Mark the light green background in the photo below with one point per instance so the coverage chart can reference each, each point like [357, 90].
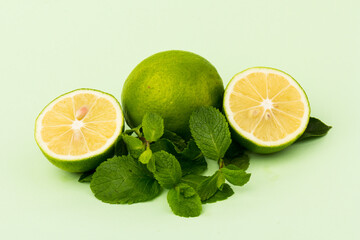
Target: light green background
[309, 191]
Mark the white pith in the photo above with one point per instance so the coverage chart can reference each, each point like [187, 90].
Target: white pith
[267, 104]
[77, 124]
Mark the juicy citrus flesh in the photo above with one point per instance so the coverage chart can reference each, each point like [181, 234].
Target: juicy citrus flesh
[266, 106]
[79, 124]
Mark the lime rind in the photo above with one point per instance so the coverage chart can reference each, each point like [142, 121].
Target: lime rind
[251, 142]
[172, 84]
[89, 160]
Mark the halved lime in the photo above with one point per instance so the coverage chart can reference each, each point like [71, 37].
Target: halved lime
[78, 130]
[266, 108]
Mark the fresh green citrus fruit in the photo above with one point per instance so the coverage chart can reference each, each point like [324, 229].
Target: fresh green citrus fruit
[172, 84]
[266, 108]
[78, 130]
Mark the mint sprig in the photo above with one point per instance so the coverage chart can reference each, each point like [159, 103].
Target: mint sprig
[148, 158]
[157, 158]
[211, 133]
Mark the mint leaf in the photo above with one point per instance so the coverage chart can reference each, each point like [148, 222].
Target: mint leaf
[167, 169]
[193, 180]
[151, 165]
[120, 147]
[178, 141]
[220, 195]
[152, 126]
[315, 128]
[191, 152]
[210, 185]
[123, 180]
[165, 145]
[237, 156]
[184, 201]
[86, 176]
[145, 156]
[235, 175]
[191, 159]
[220, 181]
[193, 167]
[210, 131]
[241, 162]
[235, 150]
[134, 145]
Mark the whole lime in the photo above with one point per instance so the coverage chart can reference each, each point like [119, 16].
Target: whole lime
[172, 84]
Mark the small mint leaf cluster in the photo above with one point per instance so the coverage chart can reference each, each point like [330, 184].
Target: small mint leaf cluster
[211, 133]
[149, 158]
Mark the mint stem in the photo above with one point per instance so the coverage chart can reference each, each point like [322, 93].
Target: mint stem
[137, 131]
[221, 163]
